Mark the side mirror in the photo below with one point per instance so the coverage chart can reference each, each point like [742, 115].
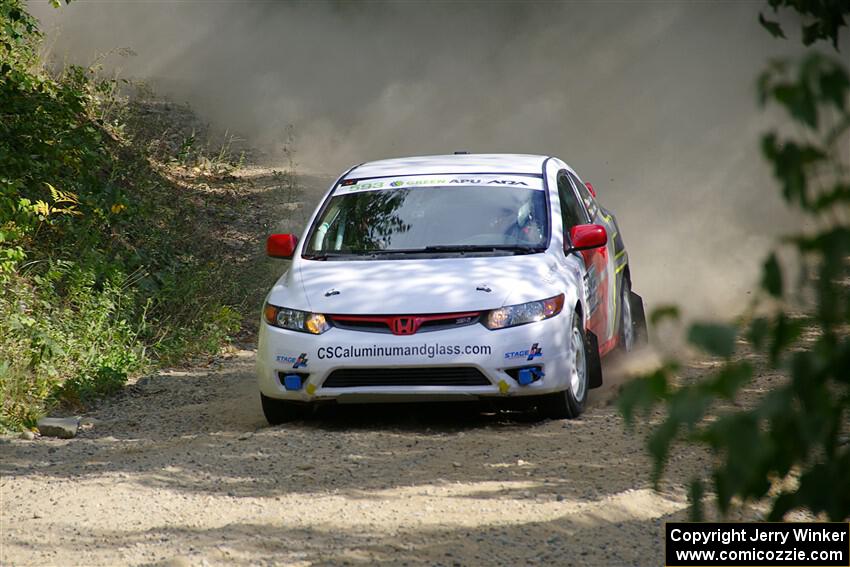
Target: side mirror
[281, 245]
[591, 189]
[587, 237]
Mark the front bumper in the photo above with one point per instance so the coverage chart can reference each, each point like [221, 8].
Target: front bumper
[493, 353]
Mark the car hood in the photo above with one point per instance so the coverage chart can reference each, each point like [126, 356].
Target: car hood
[442, 285]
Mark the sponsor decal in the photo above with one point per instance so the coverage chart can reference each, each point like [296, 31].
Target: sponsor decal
[591, 284]
[529, 353]
[353, 186]
[414, 182]
[511, 182]
[302, 361]
[425, 350]
[299, 361]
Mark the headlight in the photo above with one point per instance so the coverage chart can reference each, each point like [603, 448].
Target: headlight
[530, 312]
[294, 320]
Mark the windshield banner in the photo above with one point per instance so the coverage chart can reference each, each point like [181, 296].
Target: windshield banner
[412, 181]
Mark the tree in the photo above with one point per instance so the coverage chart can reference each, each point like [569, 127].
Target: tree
[790, 448]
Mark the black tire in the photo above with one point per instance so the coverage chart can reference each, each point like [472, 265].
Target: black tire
[569, 403]
[282, 411]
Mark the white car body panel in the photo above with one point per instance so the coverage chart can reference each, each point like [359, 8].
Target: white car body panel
[436, 285]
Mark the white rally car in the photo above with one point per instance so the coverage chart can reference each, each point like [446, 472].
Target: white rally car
[449, 277]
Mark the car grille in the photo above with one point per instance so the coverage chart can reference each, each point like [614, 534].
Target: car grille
[448, 376]
[418, 323]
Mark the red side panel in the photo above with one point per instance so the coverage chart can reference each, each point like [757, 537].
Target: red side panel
[596, 261]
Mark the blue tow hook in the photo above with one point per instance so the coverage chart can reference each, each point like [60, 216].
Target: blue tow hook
[528, 375]
[292, 382]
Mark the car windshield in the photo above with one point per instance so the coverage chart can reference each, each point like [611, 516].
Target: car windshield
[441, 219]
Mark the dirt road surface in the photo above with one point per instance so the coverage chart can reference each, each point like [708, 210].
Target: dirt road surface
[181, 469]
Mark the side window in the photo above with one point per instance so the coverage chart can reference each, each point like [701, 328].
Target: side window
[586, 197]
[572, 213]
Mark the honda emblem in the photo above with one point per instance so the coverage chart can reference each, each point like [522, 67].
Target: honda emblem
[403, 326]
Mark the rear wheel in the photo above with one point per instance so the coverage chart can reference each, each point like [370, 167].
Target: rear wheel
[283, 411]
[569, 404]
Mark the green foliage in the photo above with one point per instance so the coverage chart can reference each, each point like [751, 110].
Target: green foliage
[101, 269]
[825, 18]
[791, 447]
[66, 345]
[715, 339]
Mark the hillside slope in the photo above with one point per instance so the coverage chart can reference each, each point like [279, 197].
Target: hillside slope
[127, 239]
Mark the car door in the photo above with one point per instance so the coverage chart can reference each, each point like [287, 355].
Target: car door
[574, 212]
[604, 323]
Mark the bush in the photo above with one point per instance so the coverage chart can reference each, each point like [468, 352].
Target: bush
[101, 270]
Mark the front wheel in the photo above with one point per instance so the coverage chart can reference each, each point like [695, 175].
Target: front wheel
[569, 404]
[282, 411]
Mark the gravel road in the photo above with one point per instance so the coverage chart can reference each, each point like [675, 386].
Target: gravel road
[181, 469]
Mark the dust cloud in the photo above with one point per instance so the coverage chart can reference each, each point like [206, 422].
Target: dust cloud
[653, 102]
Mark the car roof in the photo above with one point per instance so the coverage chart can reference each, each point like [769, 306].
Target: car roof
[449, 164]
